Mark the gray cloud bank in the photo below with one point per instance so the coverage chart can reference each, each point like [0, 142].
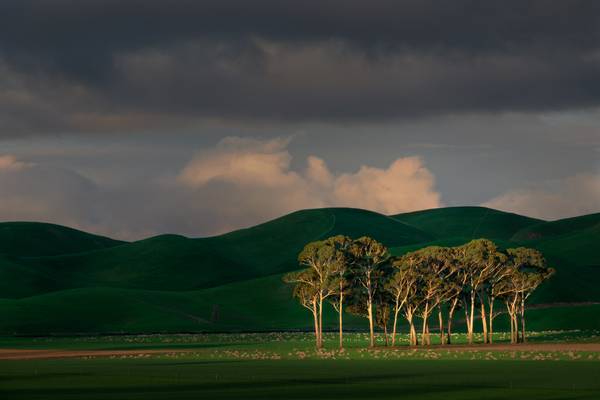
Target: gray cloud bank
[98, 66]
[562, 198]
[242, 182]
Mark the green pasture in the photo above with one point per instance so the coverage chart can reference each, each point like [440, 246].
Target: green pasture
[194, 378]
[280, 342]
[286, 366]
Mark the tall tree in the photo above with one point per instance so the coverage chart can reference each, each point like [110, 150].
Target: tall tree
[411, 309]
[530, 270]
[382, 313]
[339, 273]
[319, 259]
[306, 292]
[508, 290]
[475, 259]
[495, 289]
[433, 269]
[444, 266]
[455, 281]
[493, 266]
[368, 267]
[526, 270]
[402, 286]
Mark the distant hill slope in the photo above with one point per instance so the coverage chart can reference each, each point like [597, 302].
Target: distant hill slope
[263, 304]
[572, 246]
[562, 227]
[171, 262]
[252, 305]
[34, 239]
[171, 283]
[467, 222]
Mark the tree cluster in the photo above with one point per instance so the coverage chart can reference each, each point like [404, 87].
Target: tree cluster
[361, 277]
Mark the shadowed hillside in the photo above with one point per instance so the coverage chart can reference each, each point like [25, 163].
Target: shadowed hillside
[572, 246]
[172, 262]
[467, 222]
[560, 228]
[171, 283]
[32, 239]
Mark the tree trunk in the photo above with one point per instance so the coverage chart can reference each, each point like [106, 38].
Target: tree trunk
[514, 312]
[316, 317]
[511, 315]
[341, 304]
[441, 321]
[371, 328]
[385, 333]
[413, 331]
[471, 318]
[523, 337]
[424, 330]
[512, 329]
[321, 321]
[491, 303]
[467, 319]
[396, 311]
[484, 322]
[450, 316]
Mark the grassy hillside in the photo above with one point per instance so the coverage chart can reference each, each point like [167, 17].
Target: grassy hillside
[172, 262]
[467, 222]
[262, 304]
[32, 239]
[252, 305]
[554, 229]
[571, 246]
[231, 282]
[574, 257]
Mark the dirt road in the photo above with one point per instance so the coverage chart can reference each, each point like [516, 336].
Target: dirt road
[30, 354]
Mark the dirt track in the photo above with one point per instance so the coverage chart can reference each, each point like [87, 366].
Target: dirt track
[23, 354]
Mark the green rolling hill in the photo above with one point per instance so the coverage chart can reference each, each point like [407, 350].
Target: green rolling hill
[467, 222]
[572, 246]
[560, 228]
[33, 239]
[59, 280]
[171, 262]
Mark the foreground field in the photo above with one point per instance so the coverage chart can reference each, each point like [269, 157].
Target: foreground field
[554, 365]
[190, 377]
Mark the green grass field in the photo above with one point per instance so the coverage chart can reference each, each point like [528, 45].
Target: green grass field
[286, 366]
[191, 378]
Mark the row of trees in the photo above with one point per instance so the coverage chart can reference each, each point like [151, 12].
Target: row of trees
[361, 277]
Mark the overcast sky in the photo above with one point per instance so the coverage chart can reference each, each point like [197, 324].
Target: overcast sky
[136, 117]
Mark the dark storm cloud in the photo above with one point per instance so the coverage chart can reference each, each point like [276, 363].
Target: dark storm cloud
[115, 65]
[58, 28]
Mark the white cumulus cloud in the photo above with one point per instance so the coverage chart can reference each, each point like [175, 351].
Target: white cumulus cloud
[259, 171]
[575, 195]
